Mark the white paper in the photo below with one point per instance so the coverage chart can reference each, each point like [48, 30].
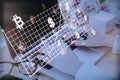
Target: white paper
[100, 39]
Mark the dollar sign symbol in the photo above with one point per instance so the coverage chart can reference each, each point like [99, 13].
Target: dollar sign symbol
[18, 21]
[77, 35]
[85, 17]
[51, 22]
[93, 32]
[67, 6]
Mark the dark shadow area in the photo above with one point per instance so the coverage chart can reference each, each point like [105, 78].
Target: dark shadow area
[25, 9]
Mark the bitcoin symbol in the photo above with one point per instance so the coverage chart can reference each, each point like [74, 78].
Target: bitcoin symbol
[51, 22]
[18, 21]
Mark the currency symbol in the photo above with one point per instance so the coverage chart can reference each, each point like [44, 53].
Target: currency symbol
[54, 11]
[85, 17]
[67, 6]
[93, 31]
[32, 19]
[59, 43]
[21, 46]
[18, 21]
[77, 35]
[51, 22]
[63, 51]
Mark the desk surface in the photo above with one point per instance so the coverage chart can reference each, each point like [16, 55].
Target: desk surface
[110, 62]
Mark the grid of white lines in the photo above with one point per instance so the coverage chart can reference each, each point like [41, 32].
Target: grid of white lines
[32, 34]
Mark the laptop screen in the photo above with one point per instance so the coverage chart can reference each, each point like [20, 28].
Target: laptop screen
[36, 30]
[36, 20]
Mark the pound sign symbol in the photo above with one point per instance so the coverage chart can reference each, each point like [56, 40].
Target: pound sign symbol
[18, 21]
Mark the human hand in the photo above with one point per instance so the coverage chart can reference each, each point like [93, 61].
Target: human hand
[100, 39]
